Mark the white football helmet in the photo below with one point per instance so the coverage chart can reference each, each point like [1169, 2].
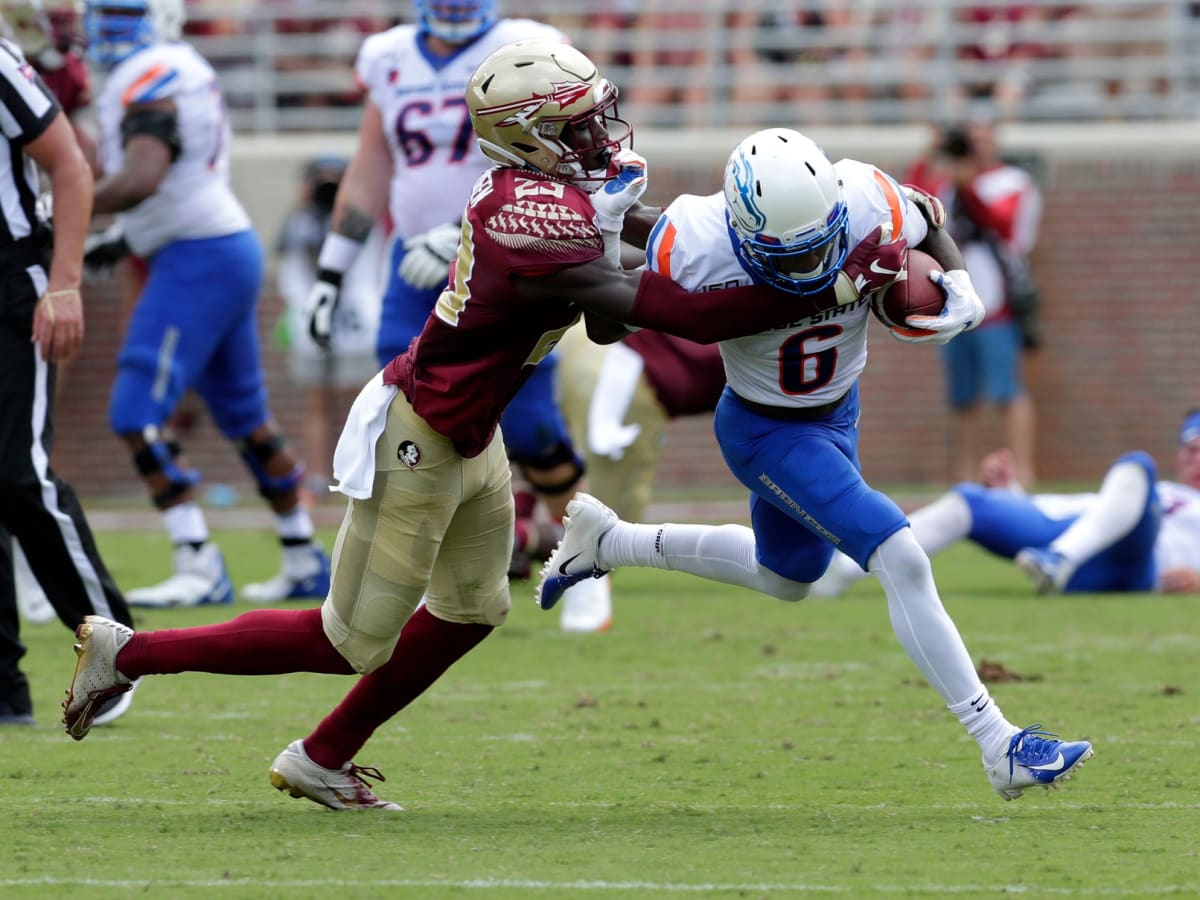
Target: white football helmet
[542, 105]
[786, 214]
[455, 21]
[116, 28]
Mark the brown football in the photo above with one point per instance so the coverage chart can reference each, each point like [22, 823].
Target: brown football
[914, 295]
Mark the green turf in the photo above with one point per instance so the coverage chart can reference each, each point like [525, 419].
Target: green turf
[713, 743]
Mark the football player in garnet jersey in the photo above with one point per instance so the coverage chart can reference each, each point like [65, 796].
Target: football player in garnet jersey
[416, 161]
[421, 457]
[1134, 534]
[787, 422]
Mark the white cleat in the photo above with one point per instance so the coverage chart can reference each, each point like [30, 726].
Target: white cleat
[200, 579]
[305, 576]
[97, 679]
[574, 559]
[344, 788]
[587, 607]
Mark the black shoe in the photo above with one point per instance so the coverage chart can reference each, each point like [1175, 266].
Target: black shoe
[14, 714]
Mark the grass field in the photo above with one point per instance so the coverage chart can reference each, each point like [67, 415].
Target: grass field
[713, 743]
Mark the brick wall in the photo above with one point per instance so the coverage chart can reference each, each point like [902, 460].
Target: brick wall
[1118, 367]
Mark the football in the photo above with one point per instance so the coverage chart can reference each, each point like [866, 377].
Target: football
[913, 295]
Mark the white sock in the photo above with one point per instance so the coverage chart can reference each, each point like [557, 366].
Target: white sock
[294, 525]
[942, 523]
[984, 722]
[722, 553]
[937, 526]
[926, 631]
[1115, 513]
[185, 524]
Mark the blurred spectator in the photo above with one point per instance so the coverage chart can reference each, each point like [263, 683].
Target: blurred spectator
[329, 378]
[675, 63]
[321, 48]
[796, 58]
[1001, 51]
[994, 210]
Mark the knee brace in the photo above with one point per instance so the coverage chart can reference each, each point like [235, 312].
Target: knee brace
[558, 455]
[257, 456]
[158, 457]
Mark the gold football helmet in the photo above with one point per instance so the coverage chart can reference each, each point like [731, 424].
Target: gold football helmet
[542, 105]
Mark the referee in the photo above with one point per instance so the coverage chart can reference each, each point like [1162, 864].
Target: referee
[41, 323]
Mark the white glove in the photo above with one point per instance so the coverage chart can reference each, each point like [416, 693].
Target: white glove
[322, 304]
[620, 192]
[607, 435]
[962, 312]
[429, 254]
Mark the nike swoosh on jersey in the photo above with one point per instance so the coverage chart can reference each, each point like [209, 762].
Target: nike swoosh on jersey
[1050, 767]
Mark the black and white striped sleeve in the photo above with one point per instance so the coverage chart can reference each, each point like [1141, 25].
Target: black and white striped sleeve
[26, 105]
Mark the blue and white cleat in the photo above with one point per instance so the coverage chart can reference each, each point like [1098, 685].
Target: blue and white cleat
[200, 579]
[305, 576]
[1035, 759]
[574, 558]
[1048, 569]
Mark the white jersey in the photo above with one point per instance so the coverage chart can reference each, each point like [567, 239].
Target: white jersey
[194, 199]
[807, 363]
[422, 103]
[1178, 543]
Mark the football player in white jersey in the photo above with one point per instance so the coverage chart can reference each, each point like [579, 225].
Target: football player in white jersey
[1134, 534]
[417, 159]
[164, 149]
[787, 423]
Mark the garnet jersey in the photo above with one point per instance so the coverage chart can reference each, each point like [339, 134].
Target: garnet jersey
[421, 100]
[484, 339]
[194, 199]
[686, 377]
[71, 83]
[817, 359]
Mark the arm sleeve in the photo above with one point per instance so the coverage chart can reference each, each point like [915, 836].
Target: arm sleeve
[710, 316]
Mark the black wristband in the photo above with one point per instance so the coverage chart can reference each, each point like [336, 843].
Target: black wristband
[330, 276]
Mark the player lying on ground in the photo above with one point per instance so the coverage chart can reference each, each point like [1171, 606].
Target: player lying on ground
[1135, 534]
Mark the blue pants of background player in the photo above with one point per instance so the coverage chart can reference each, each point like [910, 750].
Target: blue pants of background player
[808, 494]
[1005, 523]
[532, 425]
[194, 326]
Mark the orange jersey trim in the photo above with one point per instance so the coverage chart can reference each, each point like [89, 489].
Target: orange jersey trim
[894, 202]
[148, 77]
[663, 257]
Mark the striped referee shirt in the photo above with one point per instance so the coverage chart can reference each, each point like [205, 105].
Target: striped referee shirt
[26, 110]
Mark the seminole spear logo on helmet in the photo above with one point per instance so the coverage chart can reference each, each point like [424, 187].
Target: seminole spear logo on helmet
[562, 93]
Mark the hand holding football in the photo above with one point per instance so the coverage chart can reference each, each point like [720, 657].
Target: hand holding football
[913, 294]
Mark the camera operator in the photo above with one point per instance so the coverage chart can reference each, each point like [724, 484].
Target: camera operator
[993, 209]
